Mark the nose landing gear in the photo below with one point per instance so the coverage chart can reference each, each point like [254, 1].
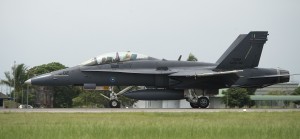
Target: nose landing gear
[114, 104]
[113, 97]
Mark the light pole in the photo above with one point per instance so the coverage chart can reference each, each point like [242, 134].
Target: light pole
[10, 103]
[14, 81]
[227, 100]
[1, 87]
[27, 96]
[22, 96]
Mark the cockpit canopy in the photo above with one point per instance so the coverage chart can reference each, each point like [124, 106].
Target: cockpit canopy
[116, 57]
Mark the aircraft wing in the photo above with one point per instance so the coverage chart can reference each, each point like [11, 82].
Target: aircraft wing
[203, 73]
[180, 73]
[205, 78]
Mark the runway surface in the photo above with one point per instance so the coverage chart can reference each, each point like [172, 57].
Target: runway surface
[108, 110]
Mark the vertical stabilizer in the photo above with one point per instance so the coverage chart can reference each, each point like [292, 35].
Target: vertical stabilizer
[244, 52]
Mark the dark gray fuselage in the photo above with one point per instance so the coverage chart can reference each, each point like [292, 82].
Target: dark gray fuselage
[156, 73]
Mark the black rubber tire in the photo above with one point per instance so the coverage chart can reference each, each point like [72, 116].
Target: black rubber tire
[194, 105]
[114, 104]
[203, 102]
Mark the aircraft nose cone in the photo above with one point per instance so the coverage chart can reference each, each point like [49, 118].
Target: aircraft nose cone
[28, 82]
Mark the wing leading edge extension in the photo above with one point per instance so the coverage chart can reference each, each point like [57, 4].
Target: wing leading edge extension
[133, 71]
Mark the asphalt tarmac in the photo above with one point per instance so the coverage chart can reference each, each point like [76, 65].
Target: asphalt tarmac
[108, 110]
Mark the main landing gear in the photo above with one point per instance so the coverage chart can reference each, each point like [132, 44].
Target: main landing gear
[113, 97]
[202, 102]
[191, 96]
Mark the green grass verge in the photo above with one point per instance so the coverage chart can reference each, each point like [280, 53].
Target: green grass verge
[228, 125]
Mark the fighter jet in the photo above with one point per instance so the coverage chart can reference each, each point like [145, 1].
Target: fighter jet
[172, 79]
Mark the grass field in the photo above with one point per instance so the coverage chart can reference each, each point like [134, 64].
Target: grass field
[228, 125]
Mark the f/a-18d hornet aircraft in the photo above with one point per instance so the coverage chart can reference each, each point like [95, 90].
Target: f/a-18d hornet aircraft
[172, 79]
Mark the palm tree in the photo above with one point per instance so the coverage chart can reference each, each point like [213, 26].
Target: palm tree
[17, 79]
[9, 79]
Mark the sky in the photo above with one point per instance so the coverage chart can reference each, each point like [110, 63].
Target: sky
[36, 32]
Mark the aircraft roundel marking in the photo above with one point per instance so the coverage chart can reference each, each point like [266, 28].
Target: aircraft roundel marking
[112, 79]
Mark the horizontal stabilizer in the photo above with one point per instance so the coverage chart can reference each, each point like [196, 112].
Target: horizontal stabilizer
[281, 77]
[270, 76]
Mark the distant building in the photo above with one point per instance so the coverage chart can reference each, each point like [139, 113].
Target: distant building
[286, 88]
[2, 98]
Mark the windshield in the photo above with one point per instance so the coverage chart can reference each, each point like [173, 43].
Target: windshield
[115, 57]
